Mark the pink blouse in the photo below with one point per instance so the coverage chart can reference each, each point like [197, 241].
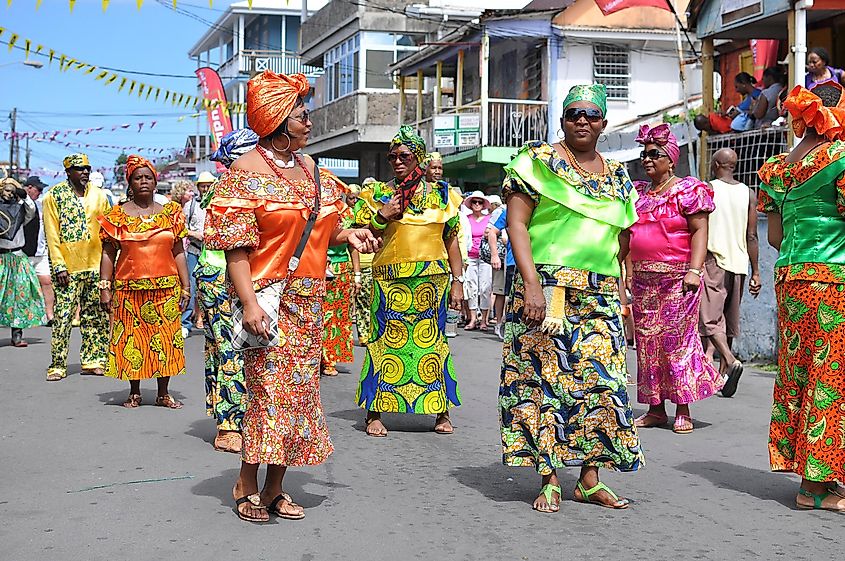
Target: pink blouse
[478, 227]
[661, 232]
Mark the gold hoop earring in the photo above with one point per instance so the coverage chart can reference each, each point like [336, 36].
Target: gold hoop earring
[286, 150]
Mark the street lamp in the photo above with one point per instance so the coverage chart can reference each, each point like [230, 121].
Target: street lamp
[27, 62]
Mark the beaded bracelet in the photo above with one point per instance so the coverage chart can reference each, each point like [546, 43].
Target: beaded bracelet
[376, 224]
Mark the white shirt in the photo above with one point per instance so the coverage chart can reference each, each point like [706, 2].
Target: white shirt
[727, 226]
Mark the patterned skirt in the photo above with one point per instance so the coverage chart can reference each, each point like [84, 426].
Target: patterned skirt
[671, 363]
[337, 316]
[807, 432]
[225, 392]
[363, 301]
[146, 334]
[284, 422]
[408, 367]
[562, 398]
[21, 303]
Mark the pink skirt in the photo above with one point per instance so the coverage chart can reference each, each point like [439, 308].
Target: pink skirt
[671, 363]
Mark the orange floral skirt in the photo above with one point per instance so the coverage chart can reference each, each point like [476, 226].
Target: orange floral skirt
[146, 334]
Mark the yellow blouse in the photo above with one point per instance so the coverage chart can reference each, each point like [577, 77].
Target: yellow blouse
[72, 229]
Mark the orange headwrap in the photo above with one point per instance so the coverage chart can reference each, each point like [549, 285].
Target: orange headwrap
[270, 98]
[808, 111]
[134, 162]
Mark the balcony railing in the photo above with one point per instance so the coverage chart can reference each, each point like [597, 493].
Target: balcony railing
[511, 123]
[753, 148]
[280, 62]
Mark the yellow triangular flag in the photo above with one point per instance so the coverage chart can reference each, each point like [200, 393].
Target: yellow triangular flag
[26, 48]
[158, 91]
[102, 75]
[139, 2]
[91, 69]
[105, 4]
[149, 91]
[131, 87]
[249, 2]
[52, 54]
[72, 4]
[80, 65]
[37, 4]
[38, 49]
[111, 79]
[2, 31]
[12, 40]
[122, 83]
[166, 95]
[61, 62]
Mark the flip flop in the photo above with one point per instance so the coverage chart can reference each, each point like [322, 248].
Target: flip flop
[275, 502]
[547, 491]
[734, 373]
[677, 428]
[587, 493]
[254, 500]
[660, 420]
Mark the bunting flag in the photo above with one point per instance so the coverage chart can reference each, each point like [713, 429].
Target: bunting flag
[105, 4]
[60, 134]
[67, 63]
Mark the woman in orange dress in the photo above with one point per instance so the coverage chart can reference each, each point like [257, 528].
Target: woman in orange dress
[144, 284]
[257, 216]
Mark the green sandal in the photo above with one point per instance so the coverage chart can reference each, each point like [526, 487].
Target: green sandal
[817, 501]
[547, 491]
[587, 493]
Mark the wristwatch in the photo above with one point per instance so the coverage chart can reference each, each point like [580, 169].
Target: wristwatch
[460, 279]
[695, 271]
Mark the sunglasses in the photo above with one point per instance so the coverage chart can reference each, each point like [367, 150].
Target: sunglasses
[303, 117]
[476, 202]
[405, 157]
[80, 168]
[574, 113]
[652, 154]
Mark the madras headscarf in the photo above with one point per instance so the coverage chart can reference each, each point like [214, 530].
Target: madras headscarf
[594, 93]
[134, 162]
[663, 137]
[433, 157]
[409, 137]
[234, 145]
[809, 111]
[76, 161]
[271, 97]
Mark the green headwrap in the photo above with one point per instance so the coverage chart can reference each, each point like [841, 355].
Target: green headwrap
[409, 137]
[594, 93]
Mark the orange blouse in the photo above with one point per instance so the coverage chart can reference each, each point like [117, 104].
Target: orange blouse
[145, 245]
[267, 216]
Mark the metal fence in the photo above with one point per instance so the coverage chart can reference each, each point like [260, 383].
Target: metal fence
[752, 148]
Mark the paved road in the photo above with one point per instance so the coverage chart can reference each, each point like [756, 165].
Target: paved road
[69, 455]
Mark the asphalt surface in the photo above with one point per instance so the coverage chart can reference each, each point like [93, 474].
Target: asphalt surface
[85, 479]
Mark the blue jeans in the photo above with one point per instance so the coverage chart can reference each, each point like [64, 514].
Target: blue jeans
[192, 260]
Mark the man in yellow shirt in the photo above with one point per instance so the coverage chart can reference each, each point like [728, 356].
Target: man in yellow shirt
[71, 209]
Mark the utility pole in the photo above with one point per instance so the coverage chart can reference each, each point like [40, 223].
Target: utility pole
[28, 152]
[13, 117]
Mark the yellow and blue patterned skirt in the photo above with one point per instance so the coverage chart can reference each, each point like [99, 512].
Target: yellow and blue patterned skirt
[408, 367]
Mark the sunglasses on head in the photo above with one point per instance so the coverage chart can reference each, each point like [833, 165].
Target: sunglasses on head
[406, 157]
[574, 113]
[652, 154]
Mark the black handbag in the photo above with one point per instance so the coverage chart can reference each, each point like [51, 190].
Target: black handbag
[484, 249]
[11, 219]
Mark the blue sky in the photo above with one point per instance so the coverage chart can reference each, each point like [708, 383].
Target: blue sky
[154, 39]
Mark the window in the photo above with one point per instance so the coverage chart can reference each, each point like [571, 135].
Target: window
[292, 33]
[341, 64]
[611, 67]
[377, 74]
[381, 49]
[264, 34]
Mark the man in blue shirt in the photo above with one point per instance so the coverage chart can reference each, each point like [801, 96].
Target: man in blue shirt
[502, 272]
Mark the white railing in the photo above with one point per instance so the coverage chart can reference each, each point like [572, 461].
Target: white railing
[511, 123]
[752, 148]
[280, 62]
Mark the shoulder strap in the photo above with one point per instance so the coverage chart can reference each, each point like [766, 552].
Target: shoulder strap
[309, 225]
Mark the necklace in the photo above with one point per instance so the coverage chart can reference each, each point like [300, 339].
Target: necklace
[577, 165]
[278, 161]
[657, 190]
[280, 174]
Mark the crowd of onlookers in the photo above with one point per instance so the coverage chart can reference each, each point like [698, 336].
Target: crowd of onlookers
[762, 100]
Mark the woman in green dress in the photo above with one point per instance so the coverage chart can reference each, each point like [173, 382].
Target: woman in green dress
[408, 367]
[563, 399]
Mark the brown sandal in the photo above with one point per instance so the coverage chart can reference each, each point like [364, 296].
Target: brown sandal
[273, 508]
[440, 420]
[228, 441]
[168, 401]
[133, 401]
[254, 501]
[92, 372]
[370, 420]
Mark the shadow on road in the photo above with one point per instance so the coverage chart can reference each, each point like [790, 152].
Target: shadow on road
[504, 484]
[394, 422]
[204, 429]
[761, 484]
[220, 487]
[147, 397]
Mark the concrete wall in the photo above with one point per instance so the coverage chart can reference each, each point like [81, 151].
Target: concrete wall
[654, 80]
[325, 21]
[586, 13]
[758, 327]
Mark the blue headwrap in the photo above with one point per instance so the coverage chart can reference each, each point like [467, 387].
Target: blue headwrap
[234, 145]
